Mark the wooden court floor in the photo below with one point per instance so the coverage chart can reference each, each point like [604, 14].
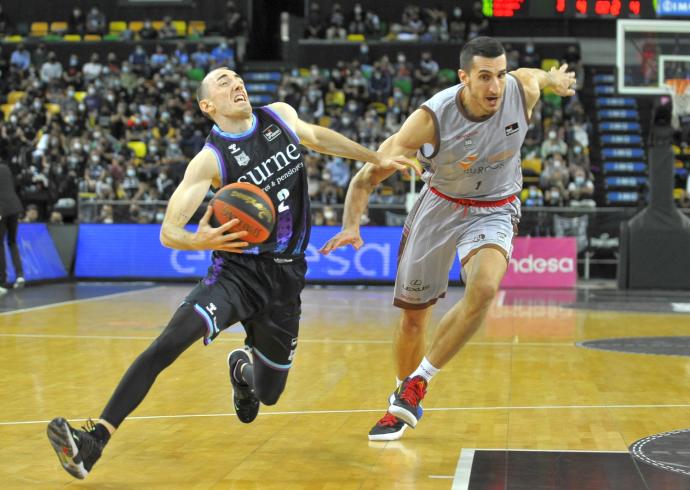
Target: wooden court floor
[522, 383]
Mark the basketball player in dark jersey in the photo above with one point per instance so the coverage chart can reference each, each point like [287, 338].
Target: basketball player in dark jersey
[258, 286]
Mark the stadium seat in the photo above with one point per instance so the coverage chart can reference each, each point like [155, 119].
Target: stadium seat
[196, 27]
[39, 29]
[678, 193]
[79, 96]
[58, 27]
[92, 37]
[356, 38]
[111, 36]
[138, 147]
[72, 37]
[448, 76]
[7, 109]
[157, 24]
[52, 108]
[117, 26]
[532, 166]
[15, 38]
[14, 96]
[135, 25]
[196, 74]
[181, 27]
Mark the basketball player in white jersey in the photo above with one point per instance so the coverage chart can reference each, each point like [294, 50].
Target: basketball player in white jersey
[468, 138]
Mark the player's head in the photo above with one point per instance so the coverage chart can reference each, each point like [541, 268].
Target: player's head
[222, 93]
[483, 71]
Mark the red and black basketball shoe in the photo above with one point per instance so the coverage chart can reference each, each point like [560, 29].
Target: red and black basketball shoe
[407, 400]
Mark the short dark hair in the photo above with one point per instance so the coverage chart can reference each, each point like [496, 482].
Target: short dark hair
[484, 46]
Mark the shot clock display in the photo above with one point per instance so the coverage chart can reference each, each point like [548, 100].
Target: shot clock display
[576, 9]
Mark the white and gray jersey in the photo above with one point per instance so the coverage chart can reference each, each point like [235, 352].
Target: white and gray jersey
[476, 158]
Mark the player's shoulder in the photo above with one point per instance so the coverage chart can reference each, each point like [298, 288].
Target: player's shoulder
[284, 110]
[443, 98]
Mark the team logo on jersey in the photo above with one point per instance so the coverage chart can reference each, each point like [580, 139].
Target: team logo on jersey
[512, 128]
[468, 144]
[272, 132]
[468, 161]
[242, 159]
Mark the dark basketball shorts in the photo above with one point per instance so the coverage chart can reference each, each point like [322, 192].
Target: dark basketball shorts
[261, 293]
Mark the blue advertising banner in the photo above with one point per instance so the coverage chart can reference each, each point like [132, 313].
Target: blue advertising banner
[134, 251]
[673, 8]
[40, 259]
[130, 251]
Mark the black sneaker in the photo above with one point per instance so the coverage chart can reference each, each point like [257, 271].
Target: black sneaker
[407, 400]
[77, 450]
[388, 428]
[245, 401]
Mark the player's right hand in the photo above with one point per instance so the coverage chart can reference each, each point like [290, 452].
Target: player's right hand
[221, 238]
[348, 236]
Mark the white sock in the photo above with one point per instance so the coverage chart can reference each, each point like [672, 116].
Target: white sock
[426, 370]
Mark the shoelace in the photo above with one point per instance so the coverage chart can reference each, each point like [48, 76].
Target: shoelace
[388, 420]
[414, 391]
[89, 427]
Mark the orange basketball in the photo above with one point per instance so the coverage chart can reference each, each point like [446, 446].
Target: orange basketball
[249, 204]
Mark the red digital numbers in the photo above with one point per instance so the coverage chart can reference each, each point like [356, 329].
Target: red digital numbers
[613, 8]
[506, 8]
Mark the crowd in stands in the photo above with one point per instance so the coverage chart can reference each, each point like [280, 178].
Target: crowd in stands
[415, 23]
[124, 129]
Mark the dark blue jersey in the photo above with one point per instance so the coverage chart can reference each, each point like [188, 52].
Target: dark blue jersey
[268, 155]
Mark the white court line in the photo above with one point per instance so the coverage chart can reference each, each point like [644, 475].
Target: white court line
[226, 338]
[461, 480]
[463, 470]
[370, 410]
[73, 301]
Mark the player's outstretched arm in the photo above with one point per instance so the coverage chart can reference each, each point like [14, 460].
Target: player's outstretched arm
[535, 80]
[327, 141]
[417, 130]
[201, 172]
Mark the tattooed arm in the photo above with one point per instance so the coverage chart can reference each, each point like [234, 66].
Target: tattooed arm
[201, 172]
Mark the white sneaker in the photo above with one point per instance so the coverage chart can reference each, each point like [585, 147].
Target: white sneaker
[19, 283]
[3, 291]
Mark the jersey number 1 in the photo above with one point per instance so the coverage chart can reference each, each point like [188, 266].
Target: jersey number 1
[478, 184]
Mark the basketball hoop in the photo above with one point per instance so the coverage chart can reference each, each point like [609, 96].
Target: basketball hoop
[680, 93]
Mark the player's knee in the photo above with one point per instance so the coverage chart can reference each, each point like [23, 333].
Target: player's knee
[482, 293]
[412, 326]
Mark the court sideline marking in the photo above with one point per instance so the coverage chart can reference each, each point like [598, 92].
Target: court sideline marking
[72, 301]
[367, 410]
[240, 338]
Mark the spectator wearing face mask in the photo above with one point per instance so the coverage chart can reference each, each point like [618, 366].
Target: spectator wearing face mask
[93, 68]
[96, 22]
[555, 197]
[581, 190]
[532, 197]
[530, 58]
[147, 31]
[553, 144]
[223, 55]
[555, 173]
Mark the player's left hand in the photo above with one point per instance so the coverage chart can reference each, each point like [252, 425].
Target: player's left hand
[399, 162]
[562, 81]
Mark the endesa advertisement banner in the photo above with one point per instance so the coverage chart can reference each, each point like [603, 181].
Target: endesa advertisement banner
[133, 251]
[40, 259]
